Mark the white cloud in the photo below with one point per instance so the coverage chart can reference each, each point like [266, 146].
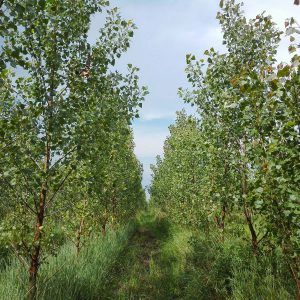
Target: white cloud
[149, 144]
[168, 30]
[156, 116]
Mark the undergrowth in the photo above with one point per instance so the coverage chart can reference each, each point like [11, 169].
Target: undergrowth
[228, 270]
[155, 259]
[67, 277]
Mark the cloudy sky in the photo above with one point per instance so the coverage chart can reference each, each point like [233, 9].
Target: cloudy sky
[167, 31]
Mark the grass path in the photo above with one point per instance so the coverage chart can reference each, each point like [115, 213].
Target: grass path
[151, 267]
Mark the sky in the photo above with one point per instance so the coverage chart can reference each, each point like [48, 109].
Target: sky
[167, 31]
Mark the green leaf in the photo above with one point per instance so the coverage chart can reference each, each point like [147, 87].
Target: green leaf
[232, 105]
[284, 72]
[292, 49]
[20, 8]
[259, 190]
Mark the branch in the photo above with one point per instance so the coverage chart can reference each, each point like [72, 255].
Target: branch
[20, 258]
[18, 196]
[8, 145]
[59, 187]
[61, 92]
[64, 156]
[26, 182]
[28, 152]
[33, 160]
[39, 65]
[58, 210]
[262, 237]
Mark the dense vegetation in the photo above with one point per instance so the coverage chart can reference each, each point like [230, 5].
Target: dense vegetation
[223, 217]
[67, 167]
[234, 172]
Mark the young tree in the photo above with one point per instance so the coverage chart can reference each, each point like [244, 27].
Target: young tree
[252, 105]
[176, 182]
[218, 93]
[50, 75]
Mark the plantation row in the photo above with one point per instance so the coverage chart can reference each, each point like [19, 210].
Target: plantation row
[233, 173]
[67, 166]
[226, 217]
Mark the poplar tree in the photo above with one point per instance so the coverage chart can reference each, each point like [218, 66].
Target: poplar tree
[50, 78]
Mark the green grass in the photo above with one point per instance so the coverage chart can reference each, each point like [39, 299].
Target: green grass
[154, 259]
[66, 276]
[152, 266]
[228, 270]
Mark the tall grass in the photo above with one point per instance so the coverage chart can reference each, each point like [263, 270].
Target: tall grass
[154, 264]
[163, 261]
[67, 276]
[228, 270]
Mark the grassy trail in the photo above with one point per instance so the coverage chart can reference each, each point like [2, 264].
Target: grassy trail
[151, 266]
[153, 260]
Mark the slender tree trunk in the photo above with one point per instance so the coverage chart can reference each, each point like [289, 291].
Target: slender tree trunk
[254, 240]
[35, 255]
[78, 242]
[114, 206]
[294, 268]
[296, 278]
[103, 229]
[220, 221]
[78, 236]
[248, 216]
[223, 215]
[244, 192]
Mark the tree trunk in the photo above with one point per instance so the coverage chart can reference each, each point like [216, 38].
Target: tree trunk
[114, 207]
[223, 214]
[78, 243]
[244, 192]
[220, 221]
[252, 230]
[296, 278]
[35, 254]
[78, 236]
[103, 229]
[36, 245]
[248, 216]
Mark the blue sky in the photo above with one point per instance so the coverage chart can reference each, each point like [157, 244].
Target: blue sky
[167, 31]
